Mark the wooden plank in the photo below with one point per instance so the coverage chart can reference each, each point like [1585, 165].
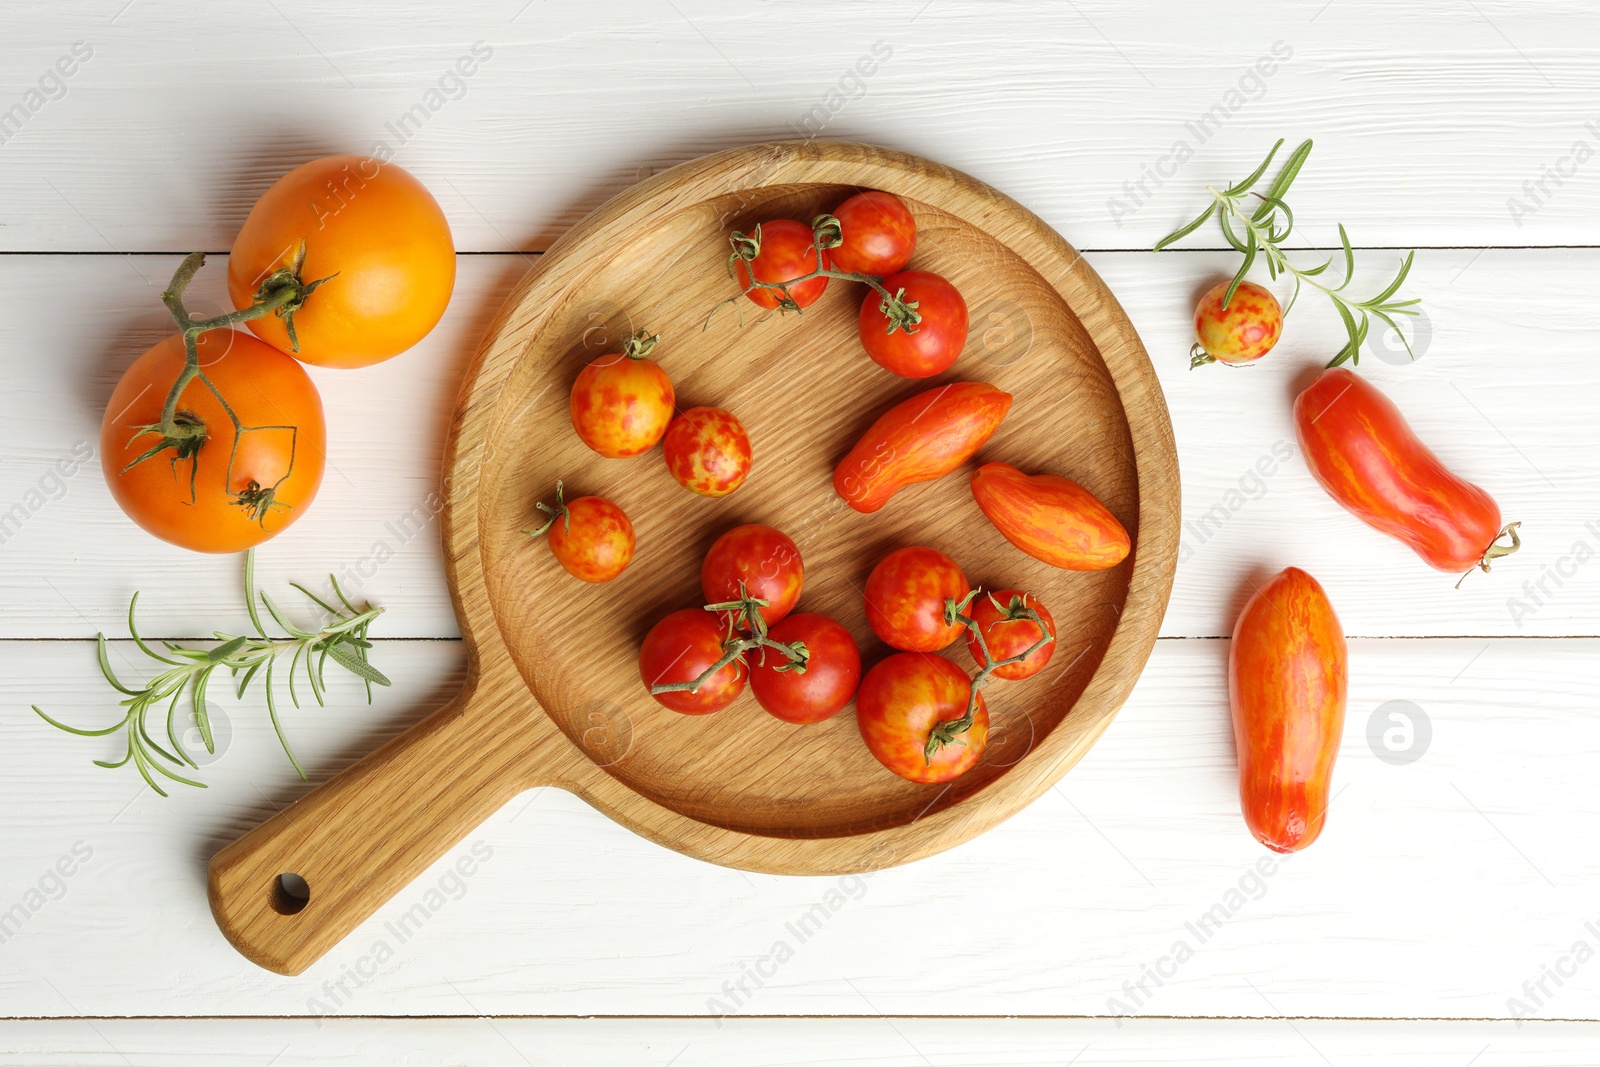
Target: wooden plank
[1426, 141]
[1445, 887]
[1497, 391]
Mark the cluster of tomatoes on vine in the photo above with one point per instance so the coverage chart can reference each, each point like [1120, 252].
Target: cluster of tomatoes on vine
[921, 715]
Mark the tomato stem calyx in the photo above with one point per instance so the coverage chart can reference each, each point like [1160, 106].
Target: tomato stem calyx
[640, 344]
[826, 233]
[1495, 550]
[949, 731]
[560, 511]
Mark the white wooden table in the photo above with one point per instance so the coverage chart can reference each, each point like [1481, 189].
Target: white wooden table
[1448, 916]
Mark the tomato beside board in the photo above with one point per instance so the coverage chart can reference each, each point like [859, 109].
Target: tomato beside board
[1287, 686]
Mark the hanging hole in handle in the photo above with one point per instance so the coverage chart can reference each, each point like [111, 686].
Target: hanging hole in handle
[290, 894]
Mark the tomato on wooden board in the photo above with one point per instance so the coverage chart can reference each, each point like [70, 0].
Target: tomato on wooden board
[681, 647]
[1007, 635]
[590, 537]
[765, 559]
[198, 502]
[928, 347]
[824, 687]
[1287, 686]
[707, 451]
[919, 439]
[374, 233]
[786, 249]
[877, 234]
[622, 403]
[900, 702]
[906, 594]
[1242, 332]
[1051, 518]
[1361, 450]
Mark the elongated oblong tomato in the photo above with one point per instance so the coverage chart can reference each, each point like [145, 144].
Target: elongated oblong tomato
[1050, 518]
[918, 440]
[1287, 685]
[1359, 447]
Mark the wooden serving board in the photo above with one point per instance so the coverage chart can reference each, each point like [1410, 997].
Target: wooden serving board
[553, 696]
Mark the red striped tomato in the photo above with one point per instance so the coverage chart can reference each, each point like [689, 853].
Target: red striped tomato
[1050, 518]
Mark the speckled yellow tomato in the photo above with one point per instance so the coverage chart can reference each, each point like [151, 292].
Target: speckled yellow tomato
[1242, 332]
[707, 451]
[899, 704]
[622, 403]
[377, 240]
[590, 537]
[906, 594]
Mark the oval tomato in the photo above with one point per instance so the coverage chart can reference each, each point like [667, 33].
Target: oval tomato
[217, 500]
[1051, 518]
[877, 235]
[375, 238]
[902, 700]
[590, 537]
[764, 559]
[919, 439]
[906, 594]
[1243, 331]
[786, 249]
[925, 348]
[1361, 450]
[680, 648]
[1287, 685]
[826, 684]
[707, 451]
[622, 403]
[1007, 635]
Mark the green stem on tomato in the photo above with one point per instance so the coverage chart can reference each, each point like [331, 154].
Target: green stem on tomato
[948, 731]
[748, 608]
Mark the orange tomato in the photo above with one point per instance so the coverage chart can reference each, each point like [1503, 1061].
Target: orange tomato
[906, 594]
[1287, 685]
[198, 503]
[622, 403]
[919, 439]
[1007, 636]
[590, 537]
[1242, 332]
[374, 233]
[766, 561]
[899, 703]
[1051, 518]
[707, 451]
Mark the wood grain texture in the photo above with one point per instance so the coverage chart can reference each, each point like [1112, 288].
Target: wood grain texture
[723, 789]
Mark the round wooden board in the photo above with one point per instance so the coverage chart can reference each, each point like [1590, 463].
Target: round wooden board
[739, 787]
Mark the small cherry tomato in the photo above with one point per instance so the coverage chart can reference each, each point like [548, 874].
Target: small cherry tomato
[1243, 331]
[1008, 634]
[906, 594]
[877, 235]
[824, 687]
[1051, 518]
[1360, 449]
[900, 703]
[590, 537]
[680, 648]
[707, 451]
[622, 403]
[784, 249]
[764, 559]
[1287, 685]
[922, 348]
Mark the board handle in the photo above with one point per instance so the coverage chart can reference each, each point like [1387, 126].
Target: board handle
[292, 888]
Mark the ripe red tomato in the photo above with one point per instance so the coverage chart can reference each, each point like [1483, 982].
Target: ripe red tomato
[1359, 447]
[1244, 331]
[828, 683]
[906, 595]
[622, 403]
[764, 559]
[926, 348]
[219, 499]
[1007, 636]
[1051, 518]
[877, 235]
[899, 703]
[786, 249]
[590, 537]
[707, 451]
[1287, 685]
[680, 648]
[919, 439]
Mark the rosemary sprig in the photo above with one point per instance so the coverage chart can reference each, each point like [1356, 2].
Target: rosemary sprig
[1268, 225]
[343, 639]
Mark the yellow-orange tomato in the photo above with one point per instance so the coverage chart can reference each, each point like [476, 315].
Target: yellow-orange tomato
[1050, 518]
[622, 403]
[590, 537]
[1287, 684]
[374, 233]
[197, 503]
[707, 451]
[900, 703]
[906, 596]
[1243, 331]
